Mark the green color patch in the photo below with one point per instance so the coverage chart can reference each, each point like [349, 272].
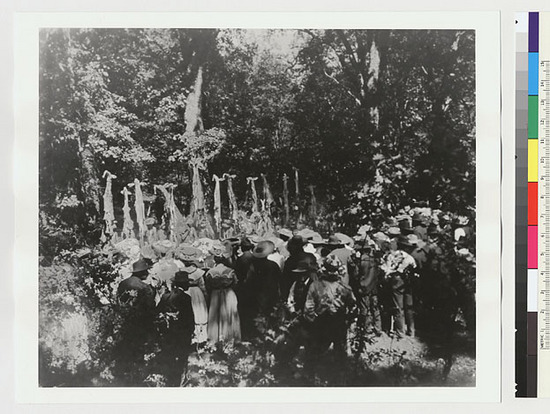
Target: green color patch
[533, 123]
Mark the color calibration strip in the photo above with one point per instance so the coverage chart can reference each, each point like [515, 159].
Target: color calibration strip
[533, 205]
[522, 201]
[542, 27]
[526, 205]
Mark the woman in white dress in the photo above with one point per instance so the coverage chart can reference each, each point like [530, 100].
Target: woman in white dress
[191, 257]
[223, 317]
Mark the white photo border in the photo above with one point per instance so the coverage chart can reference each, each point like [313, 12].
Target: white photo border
[488, 241]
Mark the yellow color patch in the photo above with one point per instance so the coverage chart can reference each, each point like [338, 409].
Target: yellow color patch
[533, 160]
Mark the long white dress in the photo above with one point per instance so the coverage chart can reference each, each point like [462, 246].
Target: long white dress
[198, 302]
[223, 317]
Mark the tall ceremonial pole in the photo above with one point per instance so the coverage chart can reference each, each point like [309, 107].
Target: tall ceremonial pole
[140, 209]
[268, 197]
[128, 225]
[251, 181]
[217, 204]
[285, 198]
[297, 192]
[231, 195]
[296, 184]
[108, 208]
[313, 203]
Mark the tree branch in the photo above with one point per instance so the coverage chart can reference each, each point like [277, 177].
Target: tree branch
[350, 93]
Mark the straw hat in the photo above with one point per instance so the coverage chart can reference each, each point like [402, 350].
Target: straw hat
[394, 231]
[413, 239]
[219, 249]
[163, 246]
[310, 235]
[379, 236]
[332, 268]
[285, 233]
[188, 253]
[345, 239]
[254, 238]
[277, 242]
[148, 252]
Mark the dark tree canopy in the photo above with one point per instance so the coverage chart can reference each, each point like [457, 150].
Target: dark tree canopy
[372, 118]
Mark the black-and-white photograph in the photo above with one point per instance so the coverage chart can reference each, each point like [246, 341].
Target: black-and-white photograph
[257, 207]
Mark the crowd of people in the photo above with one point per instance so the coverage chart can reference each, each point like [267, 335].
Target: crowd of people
[219, 290]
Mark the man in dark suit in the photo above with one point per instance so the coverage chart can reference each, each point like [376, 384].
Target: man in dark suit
[176, 344]
[134, 292]
[137, 307]
[298, 257]
[259, 292]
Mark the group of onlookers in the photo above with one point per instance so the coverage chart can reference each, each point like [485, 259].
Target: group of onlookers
[215, 290]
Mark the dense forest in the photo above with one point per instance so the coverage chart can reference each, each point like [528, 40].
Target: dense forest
[367, 118]
[337, 129]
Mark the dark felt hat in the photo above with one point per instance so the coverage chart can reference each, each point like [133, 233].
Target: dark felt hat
[296, 240]
[433, 230]
[141, 265]
[246, 244]
[263, 249]
[181, 279]
[304, 266]
[332, 241]
[405, 226]
[404, 241]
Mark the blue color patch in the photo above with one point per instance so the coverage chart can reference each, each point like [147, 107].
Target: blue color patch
[533, 73]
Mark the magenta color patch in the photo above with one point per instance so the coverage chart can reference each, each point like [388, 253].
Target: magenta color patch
[532, 247]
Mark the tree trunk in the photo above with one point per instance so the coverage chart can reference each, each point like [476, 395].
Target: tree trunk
[193, 120]
[90, 182]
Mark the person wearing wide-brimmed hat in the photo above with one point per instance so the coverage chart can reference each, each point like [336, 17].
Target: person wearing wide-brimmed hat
[295, 247]
[399, 268]
[133, 291]
[176, 340]
[419, 250]
[276, 256]
[259, 292]
[420, 226]
[244, 259]
[438, 296]
[137, 305]
[327, 306]
[192, 258]
[364, 282]
[305, 274]
[223, 316]
[337, 246]
[151, 232]
[166, 267]
[404, 224]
